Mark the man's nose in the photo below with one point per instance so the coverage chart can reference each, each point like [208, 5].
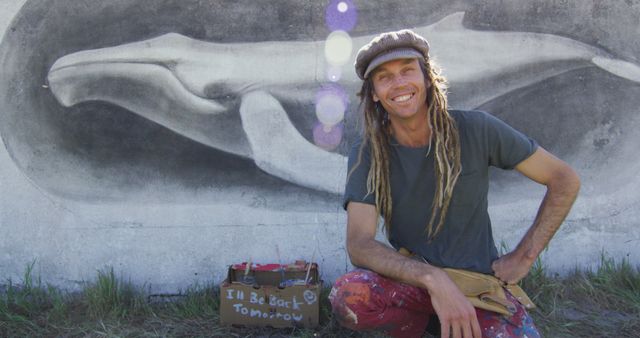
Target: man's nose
[399, 80]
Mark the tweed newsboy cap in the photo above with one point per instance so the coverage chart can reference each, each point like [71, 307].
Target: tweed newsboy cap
[402, 44]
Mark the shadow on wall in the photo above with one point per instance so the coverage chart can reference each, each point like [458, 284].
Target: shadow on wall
[138, 102]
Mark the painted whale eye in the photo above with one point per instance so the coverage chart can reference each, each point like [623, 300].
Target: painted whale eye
[221, 93]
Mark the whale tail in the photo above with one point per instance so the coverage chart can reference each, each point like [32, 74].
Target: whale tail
[623, 69]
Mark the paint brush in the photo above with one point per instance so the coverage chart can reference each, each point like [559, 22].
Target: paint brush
[306, 277]
[246, 279]
[280, 263]
[247, 268]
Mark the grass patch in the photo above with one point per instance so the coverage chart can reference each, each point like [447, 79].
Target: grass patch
[112, 297]
[600, 302]
[27, 307]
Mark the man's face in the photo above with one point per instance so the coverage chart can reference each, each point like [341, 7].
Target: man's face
[400, 87]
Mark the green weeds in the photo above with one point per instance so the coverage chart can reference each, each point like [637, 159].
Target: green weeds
[599, 302]
[197, 302]
[111, 297]
[26, 306]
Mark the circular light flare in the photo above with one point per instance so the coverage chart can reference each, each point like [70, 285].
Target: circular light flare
[330, 110]
[331, 103]
[328, 138]
[342, 7]
[334, 73]
[338, 48]
[341, 15]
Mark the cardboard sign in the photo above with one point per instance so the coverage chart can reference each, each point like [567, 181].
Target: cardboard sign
[271, 295]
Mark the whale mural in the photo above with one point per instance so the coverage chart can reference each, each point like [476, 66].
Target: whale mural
[179, 69]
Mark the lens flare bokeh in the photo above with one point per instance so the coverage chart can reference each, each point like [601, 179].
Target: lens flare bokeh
[337, 48]
[331, 100]
[334, 73]
[328, 138]
[341, 15]
[331, 103]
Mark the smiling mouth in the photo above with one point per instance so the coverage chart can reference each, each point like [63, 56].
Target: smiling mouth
[403, 98]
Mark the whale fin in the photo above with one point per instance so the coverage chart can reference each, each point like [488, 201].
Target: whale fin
[280, 150]
[623, 69]
[452, 22]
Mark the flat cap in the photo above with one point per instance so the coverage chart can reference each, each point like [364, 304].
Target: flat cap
[402, 44]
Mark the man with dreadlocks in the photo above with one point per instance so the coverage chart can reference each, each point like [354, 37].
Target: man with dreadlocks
[424, 168]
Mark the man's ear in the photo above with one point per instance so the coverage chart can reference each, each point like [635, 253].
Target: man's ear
[374, 96]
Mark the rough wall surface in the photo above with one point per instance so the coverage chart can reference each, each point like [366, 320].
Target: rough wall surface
[169, 139]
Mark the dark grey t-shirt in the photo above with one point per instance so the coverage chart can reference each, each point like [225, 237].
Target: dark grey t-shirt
[466, 240]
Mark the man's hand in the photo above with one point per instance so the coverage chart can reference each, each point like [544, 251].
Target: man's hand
[562, 185]
[511, 268]
[457, 316]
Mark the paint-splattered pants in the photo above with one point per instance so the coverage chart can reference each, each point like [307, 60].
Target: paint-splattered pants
[363, 300]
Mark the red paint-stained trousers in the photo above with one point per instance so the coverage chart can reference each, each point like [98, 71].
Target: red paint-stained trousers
[363, 300]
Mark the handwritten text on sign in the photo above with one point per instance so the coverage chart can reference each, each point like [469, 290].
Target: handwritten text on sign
[309, 297]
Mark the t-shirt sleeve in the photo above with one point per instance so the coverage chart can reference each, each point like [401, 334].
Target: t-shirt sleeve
[356, 186]
[507, 147]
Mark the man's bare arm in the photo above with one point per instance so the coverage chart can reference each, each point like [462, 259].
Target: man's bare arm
[563, 185]
[457, 315]
[365, 251]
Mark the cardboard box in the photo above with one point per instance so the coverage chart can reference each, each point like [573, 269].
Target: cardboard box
[271, 295]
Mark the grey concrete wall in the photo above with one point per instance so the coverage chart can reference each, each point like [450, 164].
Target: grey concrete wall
[168, 139]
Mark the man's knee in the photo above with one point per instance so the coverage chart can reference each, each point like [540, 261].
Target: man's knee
[353, 300]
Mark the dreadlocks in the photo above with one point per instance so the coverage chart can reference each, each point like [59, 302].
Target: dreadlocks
[445, 142]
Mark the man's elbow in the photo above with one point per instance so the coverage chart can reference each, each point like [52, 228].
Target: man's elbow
[353, 256]
[356, 252]
[355, 261]
[566, 181]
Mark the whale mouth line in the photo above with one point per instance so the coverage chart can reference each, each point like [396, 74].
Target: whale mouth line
[78, 73]
[86, 63]
[169, 68]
